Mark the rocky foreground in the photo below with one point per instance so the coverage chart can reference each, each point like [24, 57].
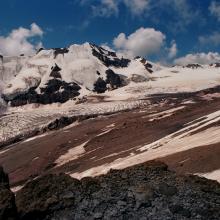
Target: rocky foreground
[146, 191]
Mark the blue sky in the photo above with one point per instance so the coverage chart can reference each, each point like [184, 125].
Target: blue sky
[187, 26]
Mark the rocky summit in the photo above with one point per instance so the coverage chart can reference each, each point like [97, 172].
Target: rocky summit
[145, 191]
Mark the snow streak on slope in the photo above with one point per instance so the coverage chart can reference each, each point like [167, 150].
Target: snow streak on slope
[72, 154]
[214, 175]
[200, 132]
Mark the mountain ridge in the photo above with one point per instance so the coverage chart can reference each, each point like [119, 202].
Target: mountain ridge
[87, 65]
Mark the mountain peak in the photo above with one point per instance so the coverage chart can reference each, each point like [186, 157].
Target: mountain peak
[87, 66]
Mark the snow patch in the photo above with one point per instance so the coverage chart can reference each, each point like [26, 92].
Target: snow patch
[214, 175]
[71, 154]
[163, 114]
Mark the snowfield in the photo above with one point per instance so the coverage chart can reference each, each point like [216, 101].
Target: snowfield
[170, 80]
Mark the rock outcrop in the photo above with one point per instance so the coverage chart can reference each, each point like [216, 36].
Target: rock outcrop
[55, 90]
[113, 81]
[8, 209]
[109, 58]
[147, 191]
[193, 66]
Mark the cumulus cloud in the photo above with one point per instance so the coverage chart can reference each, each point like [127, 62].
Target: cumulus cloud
[172, 51]
[213, 39]
[200, 58]
[214, 9]
[143, 42]
[18, 41]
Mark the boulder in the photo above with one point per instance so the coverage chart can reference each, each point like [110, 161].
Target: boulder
[8, 209]
[47, 194]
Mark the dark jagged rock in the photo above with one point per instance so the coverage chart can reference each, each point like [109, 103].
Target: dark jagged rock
[100, 86]
[113, 79]
[137, 57]
[215, 65]
[58, 51]
[56, 72]
[147, 65]
[22, 99]
[193, 66]
[40, 50]
[8, 209]
[4, 181]
[104, 51]
[55, 90]
[60, 123]
[146, 191]
[103, 56]
[46, 195]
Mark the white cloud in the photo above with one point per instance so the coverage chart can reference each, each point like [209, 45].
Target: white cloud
[200, 58]
[107, 47]
[179, 14]
[214, 9]
[182, 8]
[143, 42]
[213, 39]
[137, 7]
[173, 50]
[107, 8]
[18, 41]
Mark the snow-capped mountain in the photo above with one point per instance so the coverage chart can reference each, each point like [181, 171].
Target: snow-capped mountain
[60, 74]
